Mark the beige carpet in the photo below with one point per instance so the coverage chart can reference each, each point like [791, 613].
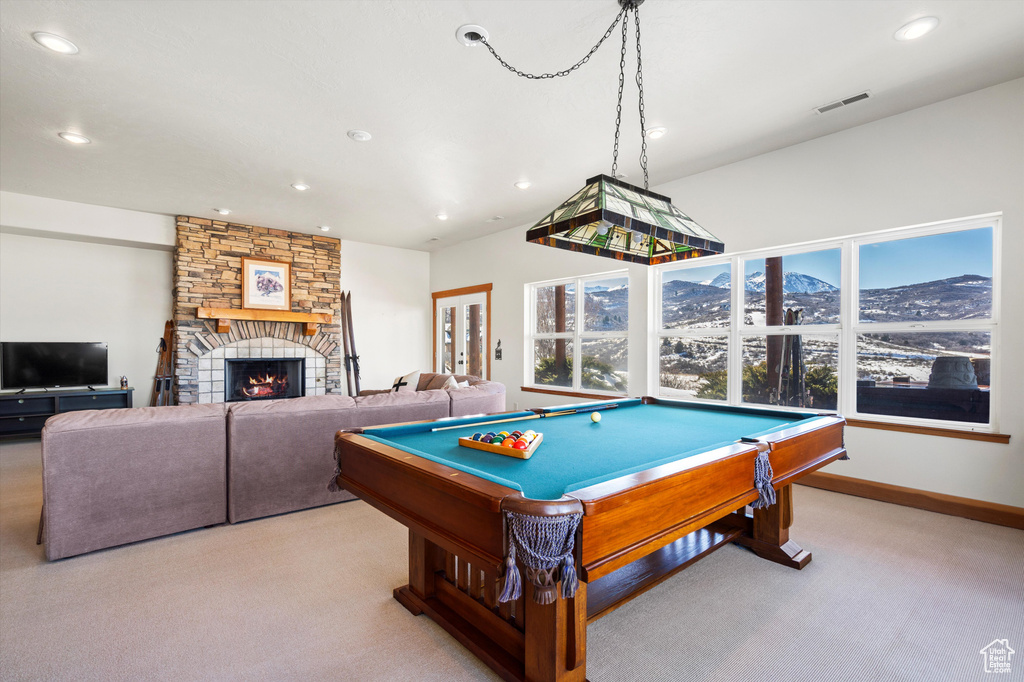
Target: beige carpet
[892, 594]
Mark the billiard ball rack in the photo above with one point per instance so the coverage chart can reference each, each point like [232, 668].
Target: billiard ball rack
[502, 450]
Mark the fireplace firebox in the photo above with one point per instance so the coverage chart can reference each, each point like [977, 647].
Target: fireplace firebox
[264, 378]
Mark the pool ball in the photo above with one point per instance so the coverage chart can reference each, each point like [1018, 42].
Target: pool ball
[477, 436]
[508, 442]
[520, 445]
[496, 440]
[595, 417]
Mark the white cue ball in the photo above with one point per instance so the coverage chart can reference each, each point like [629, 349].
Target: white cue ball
[595, 417]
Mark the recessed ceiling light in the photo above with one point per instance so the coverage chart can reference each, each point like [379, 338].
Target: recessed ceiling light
[74, 138]
[917, 28]
[302, 187]
[55, 43]
[359, 135]
[495, 219]
[325, 228]
[222, 211]
[442, 216]
[656, 133]
[523, 184]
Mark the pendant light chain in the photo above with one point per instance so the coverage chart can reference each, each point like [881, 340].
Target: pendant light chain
[627, 7]
[640, 86]
[618, 106]
[565, 72]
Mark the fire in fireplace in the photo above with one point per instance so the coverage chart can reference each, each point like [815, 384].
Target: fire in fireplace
[264, 378]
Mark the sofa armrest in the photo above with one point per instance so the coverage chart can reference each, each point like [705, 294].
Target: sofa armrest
[111, 477]
[482, 397]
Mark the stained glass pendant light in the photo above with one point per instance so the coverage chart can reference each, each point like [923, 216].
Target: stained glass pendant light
[612, 218]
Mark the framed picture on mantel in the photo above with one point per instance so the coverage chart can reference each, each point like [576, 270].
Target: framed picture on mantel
[266, 284]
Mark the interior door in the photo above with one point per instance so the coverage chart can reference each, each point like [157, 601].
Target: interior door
[461, 335]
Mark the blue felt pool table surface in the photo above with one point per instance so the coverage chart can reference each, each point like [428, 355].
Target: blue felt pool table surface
[577, 452]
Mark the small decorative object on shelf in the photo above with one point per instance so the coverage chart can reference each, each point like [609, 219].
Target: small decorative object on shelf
[124, 381]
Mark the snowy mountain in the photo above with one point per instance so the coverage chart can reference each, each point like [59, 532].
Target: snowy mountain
[792, 283]
[720, 281]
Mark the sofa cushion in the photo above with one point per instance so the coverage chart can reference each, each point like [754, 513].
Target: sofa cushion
[432, 382]
[282, 454]
[112, 477]
[394, 408]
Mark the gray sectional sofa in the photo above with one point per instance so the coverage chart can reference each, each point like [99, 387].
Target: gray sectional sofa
[113, 477]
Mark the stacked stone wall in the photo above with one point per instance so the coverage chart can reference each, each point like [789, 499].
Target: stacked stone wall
[208, 273]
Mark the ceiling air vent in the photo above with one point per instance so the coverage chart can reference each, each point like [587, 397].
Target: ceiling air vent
[825, 108]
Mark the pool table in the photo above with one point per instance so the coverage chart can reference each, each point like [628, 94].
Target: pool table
[630, 500]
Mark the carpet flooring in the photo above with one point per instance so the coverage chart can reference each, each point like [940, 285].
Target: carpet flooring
[892, 594]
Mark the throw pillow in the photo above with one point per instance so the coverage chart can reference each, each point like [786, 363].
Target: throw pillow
[450, 384]
[436, 382]
[407, 383]
[463, 384]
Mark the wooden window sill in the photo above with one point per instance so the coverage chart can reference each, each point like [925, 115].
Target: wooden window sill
[573, 394]
[986, 436]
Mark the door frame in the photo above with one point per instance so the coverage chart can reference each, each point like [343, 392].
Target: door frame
[448, 293]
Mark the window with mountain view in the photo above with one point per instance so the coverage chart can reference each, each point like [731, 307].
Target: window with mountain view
[781, 293]
[924, 326]
[581, 342]
[910, 341]
[693, 345]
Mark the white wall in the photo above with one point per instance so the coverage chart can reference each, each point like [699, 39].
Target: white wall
[60, 290]
[40, 216]
[956, 158]
[391, 314]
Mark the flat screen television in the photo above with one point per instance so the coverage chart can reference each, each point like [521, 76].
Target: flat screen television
[52, 365]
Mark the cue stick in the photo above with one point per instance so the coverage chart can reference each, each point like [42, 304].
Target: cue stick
[580, 410]
[495, 421]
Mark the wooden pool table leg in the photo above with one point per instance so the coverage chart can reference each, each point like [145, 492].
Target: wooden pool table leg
[425, 560]
[556, 637]
[769, 537]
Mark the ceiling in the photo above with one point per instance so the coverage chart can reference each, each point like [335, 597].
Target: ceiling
[197, 105]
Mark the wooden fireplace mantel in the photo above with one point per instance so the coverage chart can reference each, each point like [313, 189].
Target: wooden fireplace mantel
[309, 321]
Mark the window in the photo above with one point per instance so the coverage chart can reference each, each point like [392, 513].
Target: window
[892, 326]
[924, 325]
[579, 334]
[693, 340]
[781, 292]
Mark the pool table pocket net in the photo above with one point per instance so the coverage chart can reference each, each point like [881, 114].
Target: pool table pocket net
[544, 544]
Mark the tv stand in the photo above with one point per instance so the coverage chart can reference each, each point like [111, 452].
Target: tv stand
[22, 415]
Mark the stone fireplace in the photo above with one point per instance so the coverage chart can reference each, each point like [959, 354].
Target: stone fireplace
[207, 273]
